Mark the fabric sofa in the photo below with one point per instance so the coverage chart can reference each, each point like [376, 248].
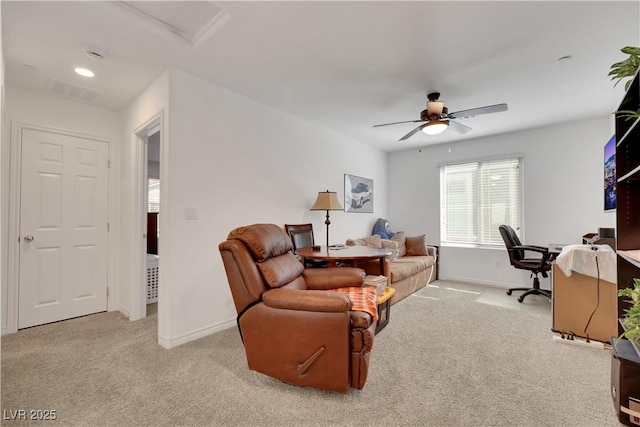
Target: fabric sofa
[411, 266]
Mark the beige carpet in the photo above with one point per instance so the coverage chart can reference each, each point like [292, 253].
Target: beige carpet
[447, 358]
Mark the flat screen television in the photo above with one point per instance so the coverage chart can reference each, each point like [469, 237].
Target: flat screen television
[610, 175]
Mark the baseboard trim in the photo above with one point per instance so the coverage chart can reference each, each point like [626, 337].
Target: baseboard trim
[169, 342]
[122, 310]
[499, 285]
[4, 330]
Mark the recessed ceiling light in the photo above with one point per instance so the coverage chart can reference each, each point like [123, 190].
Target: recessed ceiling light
[84, 72]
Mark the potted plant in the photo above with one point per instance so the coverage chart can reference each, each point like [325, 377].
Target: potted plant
[624, 69]
[631, 319]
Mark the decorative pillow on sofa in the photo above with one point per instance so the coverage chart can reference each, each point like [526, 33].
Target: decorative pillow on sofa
[416, 245]
[400, 240]
[392, 246]
[371, 241]
[382, 228]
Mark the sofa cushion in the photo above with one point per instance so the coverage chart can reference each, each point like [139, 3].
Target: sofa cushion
[371, 241]
[399, 238]
[404, 267]
[416, 245]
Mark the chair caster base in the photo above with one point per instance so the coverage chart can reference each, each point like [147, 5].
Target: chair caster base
[509, 292]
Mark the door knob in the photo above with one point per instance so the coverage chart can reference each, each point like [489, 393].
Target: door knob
[28, 238]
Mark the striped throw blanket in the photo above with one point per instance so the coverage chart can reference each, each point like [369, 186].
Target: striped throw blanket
[363, 299]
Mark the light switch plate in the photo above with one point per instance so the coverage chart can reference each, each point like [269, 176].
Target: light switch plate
[190, 212]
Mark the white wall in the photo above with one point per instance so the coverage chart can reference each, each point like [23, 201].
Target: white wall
[240, 162]
[237, 162]
[31, 108]
[563, 193]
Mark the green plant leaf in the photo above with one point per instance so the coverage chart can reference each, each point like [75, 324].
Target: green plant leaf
[628, 67]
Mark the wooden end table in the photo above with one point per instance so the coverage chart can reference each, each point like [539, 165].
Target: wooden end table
[384, 308]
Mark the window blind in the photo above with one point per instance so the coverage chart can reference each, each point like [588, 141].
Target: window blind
[154, 196]
[476, 197]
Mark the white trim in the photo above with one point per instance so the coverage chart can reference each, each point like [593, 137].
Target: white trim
[492, 284]
[169, 343]
[482, 159]
[13, 256]
[139, 269]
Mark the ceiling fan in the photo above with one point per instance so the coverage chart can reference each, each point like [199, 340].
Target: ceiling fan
[436, 119]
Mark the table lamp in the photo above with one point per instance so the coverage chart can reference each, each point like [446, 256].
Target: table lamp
[327, 201]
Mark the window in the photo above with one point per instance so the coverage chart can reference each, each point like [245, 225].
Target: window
[476, 197]
[154, 196]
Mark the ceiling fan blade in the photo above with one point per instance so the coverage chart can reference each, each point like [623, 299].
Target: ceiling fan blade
[410, 134]
[463, 114]
[458, 127]
[397, 123]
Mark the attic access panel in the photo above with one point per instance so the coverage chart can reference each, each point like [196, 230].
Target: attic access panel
[191, 21]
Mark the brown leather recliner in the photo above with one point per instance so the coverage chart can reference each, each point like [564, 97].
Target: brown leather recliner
[293, 328]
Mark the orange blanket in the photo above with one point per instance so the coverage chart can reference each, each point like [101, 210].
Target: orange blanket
[363, 299]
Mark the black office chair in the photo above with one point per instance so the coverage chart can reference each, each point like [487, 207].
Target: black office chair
[302, 237]
[518, 258]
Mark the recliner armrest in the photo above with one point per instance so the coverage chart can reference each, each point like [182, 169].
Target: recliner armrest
[303, 300]
[333, 277]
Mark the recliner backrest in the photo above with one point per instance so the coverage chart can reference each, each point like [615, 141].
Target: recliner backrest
[511, 239]
[258, 257]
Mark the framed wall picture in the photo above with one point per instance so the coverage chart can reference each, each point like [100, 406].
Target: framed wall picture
[610, 175]
[358, 194]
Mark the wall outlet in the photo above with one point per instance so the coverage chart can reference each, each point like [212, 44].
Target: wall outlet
[496, 263]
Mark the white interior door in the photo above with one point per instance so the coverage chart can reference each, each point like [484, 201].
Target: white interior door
[63, 227]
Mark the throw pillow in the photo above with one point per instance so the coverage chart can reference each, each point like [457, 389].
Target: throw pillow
[382, 228]
[392, 246]
[416, 245]
[400, 240]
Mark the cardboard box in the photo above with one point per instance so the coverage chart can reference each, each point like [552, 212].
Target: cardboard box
[576, 298]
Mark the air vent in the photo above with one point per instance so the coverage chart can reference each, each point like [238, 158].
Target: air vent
[72, 91]
[190, 21]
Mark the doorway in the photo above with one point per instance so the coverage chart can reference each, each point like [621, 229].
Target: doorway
[153, 221]
[147, 268]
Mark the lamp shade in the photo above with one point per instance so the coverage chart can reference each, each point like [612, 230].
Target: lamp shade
[327, 201]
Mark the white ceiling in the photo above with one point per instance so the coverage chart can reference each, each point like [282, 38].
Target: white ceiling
[346, 66]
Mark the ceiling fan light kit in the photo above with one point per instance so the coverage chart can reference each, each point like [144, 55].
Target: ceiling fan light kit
[436, 118]
[435, 127]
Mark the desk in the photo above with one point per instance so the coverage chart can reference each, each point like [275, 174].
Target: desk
[349, 254]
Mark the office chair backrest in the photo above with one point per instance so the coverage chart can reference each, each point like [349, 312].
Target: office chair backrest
[301, 235]
[510, 240]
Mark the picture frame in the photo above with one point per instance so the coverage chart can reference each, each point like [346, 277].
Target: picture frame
[358, 194]
[610, 175]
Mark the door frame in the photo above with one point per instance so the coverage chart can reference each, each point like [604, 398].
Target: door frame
[139, 266]
[13, 255]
